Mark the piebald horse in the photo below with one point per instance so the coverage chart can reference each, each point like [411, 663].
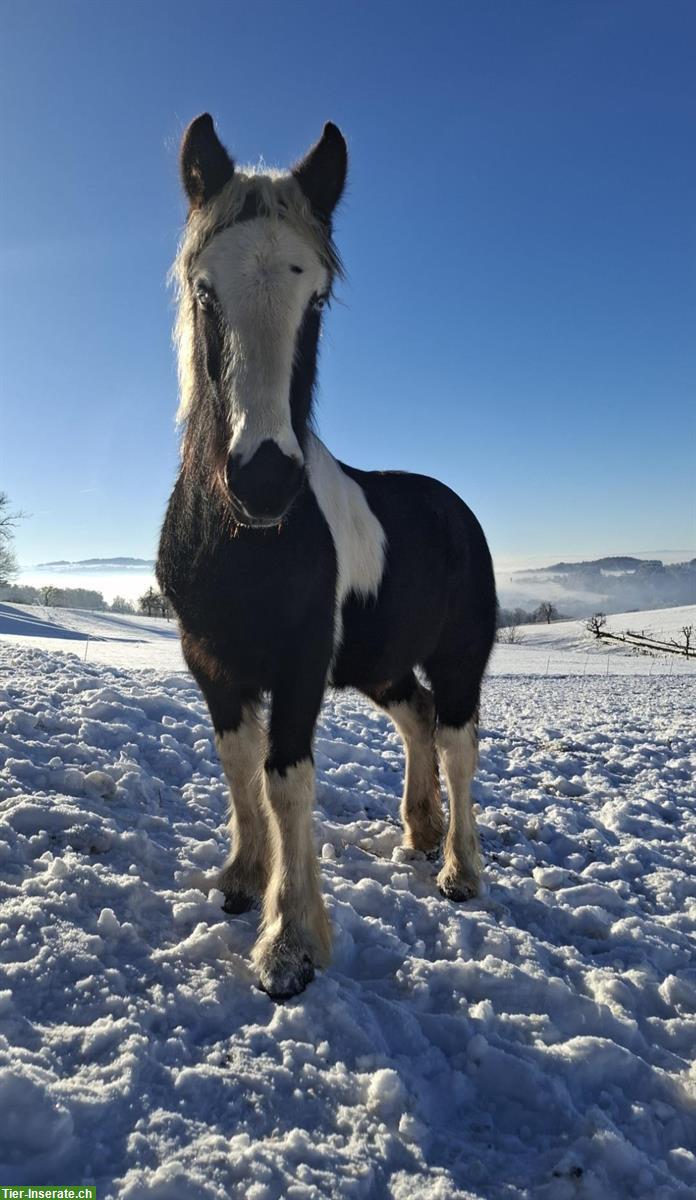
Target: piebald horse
[290, 571]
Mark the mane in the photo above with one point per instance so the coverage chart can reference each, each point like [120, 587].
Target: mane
[278, 196]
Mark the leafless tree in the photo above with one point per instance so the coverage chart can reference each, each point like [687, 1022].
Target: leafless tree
[154, 604]
[8, 520]
[119, 604]
[49, 594]
[688, 634]
[510, 635]
[149, 603]
[596, 624]
[546, 612]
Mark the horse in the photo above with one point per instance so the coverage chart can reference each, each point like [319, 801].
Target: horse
[290, 571]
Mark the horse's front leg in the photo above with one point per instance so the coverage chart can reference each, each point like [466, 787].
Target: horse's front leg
[240, 738]
[295, 935]
[242, 750]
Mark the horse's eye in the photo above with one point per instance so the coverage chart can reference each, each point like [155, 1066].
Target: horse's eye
[204, 294]
[318, 301]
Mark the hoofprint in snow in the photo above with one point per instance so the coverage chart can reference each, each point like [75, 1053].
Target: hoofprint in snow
[533, 1043]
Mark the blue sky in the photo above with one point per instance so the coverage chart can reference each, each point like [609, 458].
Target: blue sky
[519, 314]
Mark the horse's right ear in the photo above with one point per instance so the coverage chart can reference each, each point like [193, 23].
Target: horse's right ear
[205, 164]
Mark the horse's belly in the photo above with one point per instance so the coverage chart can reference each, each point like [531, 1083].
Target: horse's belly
[382, 641]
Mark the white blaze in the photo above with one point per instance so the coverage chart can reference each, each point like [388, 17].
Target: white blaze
[250, 267]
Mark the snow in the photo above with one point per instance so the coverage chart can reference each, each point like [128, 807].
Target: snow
[561, 648]
[661, 623]
[536, 1042]
[566, 648]
[97, 637]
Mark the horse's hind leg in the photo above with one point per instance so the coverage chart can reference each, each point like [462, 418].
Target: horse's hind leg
[411, 708]
[456, 704]
[460, 874]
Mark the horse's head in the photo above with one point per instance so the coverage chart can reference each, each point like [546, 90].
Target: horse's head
[255, 267]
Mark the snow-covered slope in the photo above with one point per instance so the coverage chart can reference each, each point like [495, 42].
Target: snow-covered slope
[538, 1042]
[97, 637]
[562, 648]
[661, 623]
[566, 648]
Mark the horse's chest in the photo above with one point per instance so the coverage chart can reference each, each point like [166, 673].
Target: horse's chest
[255, 594]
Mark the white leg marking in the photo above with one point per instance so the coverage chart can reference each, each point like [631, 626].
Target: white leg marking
[242, 754]
[296, 934]
[421, 806]
[459, 877]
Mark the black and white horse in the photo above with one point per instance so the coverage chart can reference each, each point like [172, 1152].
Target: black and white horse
[290, 571]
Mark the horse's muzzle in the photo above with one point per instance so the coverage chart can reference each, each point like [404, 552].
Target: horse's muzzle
[265, 487]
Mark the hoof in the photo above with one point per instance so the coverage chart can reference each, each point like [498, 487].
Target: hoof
[434, 854]
[238, 902]
[457, 888]
[282, 981]
[285, 963]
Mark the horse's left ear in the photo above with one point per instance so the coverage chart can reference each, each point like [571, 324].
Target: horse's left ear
[205, 164]
[322, 172]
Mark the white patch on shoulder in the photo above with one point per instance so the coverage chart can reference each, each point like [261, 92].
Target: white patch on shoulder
[358, 537]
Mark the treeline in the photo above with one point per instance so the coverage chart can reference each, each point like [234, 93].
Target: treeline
[25, 593]
[543, 614]
[152, 603]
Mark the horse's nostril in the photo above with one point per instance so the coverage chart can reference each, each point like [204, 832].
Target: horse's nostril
[267, 484]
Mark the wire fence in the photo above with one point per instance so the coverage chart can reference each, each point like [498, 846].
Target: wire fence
[593, 666]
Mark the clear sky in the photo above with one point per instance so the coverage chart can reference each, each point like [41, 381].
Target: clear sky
[518, 230]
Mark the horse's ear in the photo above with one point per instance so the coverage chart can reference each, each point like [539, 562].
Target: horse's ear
[205, 164]
[322, 172]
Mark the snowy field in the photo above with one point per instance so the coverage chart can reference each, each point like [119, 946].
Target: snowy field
[95, 637]
[538, 1042]
[566, 648]
[562, 648]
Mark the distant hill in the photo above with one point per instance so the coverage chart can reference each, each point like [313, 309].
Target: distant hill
[98, 564]
[617, 583]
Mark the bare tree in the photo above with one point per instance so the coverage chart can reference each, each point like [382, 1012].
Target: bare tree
[687, 633]
[510, 635]
[155, 604]
[546, 612]
[49, 594]
[149, 603]
[596, 624]
[119, 604]
[8, 520]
